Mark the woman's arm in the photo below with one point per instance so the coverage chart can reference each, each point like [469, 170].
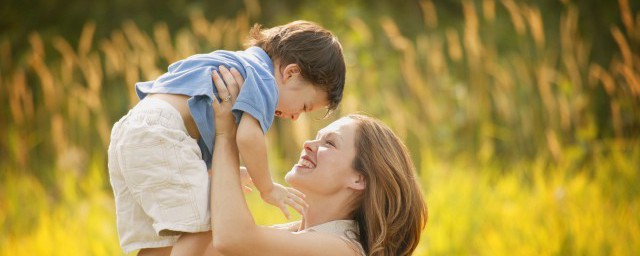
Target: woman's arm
[236, 233]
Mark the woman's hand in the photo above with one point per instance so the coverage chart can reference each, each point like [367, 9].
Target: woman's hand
[225, 124]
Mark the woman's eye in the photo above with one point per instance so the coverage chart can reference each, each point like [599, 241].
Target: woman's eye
[331, 143]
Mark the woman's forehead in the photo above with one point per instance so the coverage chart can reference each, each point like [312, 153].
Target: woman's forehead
[342, 126]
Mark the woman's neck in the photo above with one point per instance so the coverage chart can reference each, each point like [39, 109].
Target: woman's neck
[325, 209]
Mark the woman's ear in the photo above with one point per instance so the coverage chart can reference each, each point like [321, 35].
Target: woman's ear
[290, 71]
[358, 182]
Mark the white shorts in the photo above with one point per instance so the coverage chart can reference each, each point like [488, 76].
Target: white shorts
[159, 180]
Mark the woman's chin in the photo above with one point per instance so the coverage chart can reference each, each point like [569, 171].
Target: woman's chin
[296, 173]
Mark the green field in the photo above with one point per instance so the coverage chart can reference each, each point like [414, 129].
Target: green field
[523, 117]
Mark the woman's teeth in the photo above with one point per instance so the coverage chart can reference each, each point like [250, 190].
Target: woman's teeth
[307, 164]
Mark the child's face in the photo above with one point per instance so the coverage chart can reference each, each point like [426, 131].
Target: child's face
[297, 95]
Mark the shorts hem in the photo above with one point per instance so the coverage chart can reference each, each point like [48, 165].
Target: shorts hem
[161, 228]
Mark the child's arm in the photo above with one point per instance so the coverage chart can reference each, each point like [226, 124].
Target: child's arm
[253, 150]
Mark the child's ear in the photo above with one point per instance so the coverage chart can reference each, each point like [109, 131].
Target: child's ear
[290, 71]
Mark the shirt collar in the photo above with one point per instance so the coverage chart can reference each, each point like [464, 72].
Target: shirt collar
[262, 56]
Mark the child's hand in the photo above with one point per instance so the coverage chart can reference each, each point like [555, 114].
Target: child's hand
[282, 196]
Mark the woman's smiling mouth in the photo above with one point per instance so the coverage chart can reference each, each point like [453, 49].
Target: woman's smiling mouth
[305, 161]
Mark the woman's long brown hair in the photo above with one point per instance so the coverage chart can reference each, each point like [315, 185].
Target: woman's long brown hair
[392, 212]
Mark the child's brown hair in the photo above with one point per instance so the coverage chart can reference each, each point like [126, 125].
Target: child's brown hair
[314, 49]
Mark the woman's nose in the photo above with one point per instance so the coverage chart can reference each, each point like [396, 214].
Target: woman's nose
[309, 145]
[295, 117]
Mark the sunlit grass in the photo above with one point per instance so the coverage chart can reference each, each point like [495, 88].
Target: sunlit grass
[530, 149]
[73, 217]
[537, 209]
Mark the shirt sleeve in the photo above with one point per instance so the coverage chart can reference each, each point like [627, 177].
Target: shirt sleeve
[191, 76]
[258, 97]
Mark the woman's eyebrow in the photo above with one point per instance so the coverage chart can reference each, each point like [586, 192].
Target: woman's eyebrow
[334, 134]
[321, 134]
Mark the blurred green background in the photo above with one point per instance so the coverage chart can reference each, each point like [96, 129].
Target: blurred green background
[522, 117]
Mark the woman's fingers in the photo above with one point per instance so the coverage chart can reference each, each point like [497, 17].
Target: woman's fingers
[223, 93]
[233, 84]
[222, 108]
[228, 83]
[238, 77]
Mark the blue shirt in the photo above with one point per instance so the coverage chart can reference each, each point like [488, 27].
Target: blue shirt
[192, 77]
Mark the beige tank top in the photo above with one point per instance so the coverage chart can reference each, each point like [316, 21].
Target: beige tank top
[346, 229]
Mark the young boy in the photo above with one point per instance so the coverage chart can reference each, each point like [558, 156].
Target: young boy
[160, 151]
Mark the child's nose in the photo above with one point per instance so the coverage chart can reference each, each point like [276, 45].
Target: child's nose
[295, 117]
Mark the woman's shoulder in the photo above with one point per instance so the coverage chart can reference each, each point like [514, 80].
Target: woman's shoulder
[347, 230]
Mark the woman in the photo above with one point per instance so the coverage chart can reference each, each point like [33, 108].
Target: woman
[357, 180]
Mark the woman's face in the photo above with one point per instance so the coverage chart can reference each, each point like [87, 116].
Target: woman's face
[325, 164]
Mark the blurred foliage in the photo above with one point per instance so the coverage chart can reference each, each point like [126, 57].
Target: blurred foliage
[523, 117]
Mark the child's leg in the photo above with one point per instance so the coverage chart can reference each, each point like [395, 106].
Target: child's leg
[162, 251]
[159, 179]
[192, 244]
[211, 251]
[135, 227]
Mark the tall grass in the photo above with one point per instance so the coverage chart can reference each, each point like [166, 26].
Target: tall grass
[527, 146]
